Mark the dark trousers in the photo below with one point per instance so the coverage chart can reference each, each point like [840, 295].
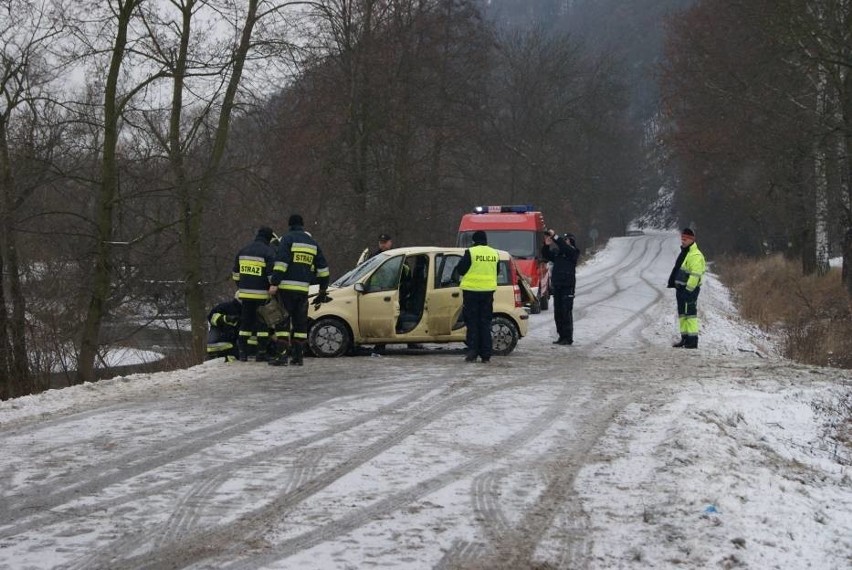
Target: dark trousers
[563, 312]
[251, 325]
[477, 310]
[294, 329]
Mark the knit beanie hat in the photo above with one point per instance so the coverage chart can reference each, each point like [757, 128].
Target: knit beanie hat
[480, 238]
[295, 220]
[688, 232]
[265, 233]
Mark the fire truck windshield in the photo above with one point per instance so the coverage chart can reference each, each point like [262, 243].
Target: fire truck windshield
[521, 244]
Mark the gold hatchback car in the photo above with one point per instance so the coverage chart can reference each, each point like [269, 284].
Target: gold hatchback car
[411, 295]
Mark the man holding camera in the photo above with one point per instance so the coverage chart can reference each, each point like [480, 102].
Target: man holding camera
[563, 253]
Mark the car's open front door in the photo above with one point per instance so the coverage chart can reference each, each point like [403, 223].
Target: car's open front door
[378, 304]
[444, 300]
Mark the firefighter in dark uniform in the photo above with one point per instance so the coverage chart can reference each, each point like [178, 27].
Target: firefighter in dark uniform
[224, 321]
[686, 278]
[563, 253]
[298, 262]
[478, 268]
[252, 271]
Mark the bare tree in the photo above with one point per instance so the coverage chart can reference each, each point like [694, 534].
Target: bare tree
[26, 32]
[121, 14]
[204, 48]
[822, 31]
[559, 131]
[756, 90]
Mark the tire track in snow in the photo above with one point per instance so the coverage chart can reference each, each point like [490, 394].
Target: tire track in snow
[242, 531]
[39, 508]
[458, 394]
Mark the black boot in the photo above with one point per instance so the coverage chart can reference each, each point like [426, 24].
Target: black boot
[242, 350]
[296, 357]
[262, 355]
[280, 358]
[691, 342]
[682, 343]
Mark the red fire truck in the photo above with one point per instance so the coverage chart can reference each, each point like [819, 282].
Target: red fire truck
[519, 230]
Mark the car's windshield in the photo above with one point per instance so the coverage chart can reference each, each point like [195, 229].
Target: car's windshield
[521, 244]
[354, 275]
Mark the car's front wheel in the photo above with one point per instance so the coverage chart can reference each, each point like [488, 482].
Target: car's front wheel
[504, 336]
[329, 337]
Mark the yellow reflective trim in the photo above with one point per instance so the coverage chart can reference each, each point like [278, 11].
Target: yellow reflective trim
[254, 294]
[304, 248]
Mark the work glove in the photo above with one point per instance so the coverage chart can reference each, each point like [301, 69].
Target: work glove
[321, 298]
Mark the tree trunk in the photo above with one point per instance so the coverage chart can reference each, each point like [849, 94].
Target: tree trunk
[102, 271]
[821, 180]
[5, 345]
[191, 207]
[15, 366]
[193, 200]
[846, 183]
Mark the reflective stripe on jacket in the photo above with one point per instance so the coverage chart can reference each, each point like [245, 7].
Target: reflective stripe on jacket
[299, 260]
[482, 274]
[691, 272]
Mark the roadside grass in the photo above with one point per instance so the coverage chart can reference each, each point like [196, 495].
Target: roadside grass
[813, 317]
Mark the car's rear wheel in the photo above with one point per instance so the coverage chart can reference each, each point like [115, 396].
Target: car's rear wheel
[329, 337]
[504, 336]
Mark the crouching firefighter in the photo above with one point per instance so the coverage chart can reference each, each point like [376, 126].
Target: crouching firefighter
[224, 321]
[686, 278]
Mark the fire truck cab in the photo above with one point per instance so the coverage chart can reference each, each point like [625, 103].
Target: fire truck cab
[518, 229]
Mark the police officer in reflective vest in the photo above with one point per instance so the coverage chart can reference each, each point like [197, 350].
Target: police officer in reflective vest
[252, 270]
[478, 268]
[686, 278]
[298, 261]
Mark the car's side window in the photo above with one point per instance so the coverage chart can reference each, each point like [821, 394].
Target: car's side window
[386, 277]
[447, 274]
[503, 273]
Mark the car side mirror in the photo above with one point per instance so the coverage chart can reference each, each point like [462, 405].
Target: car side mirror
[360, 287]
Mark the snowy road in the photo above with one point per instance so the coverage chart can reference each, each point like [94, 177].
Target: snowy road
[415, 459]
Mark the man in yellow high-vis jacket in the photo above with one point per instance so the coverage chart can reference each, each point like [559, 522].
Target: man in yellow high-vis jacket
[686, 278]
[478, 268]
